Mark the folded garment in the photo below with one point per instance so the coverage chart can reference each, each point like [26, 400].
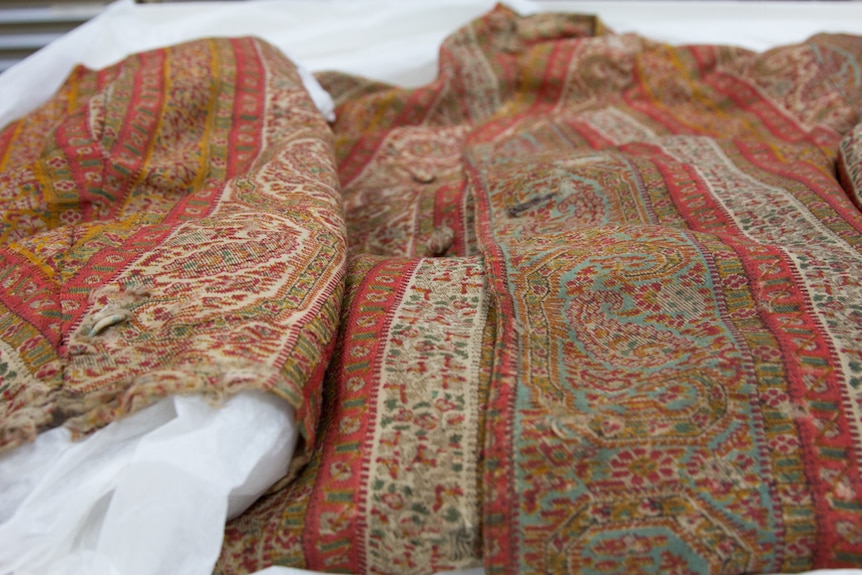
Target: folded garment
[603, 312]
[395, 483]
[671, 361]
[170, 224]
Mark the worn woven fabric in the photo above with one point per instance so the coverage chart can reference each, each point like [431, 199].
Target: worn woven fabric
[850, 164]
[673, 269]
[394, 484]
[603, 312]
[676, 270]
[171, 224]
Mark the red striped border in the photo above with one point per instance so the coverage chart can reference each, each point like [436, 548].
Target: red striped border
[366, 322]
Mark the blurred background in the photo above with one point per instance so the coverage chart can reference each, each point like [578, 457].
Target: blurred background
[27, 25]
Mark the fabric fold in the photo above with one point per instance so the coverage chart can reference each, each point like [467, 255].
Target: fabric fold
[171, 225]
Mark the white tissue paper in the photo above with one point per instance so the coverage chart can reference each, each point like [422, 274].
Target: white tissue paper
[146, 495]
